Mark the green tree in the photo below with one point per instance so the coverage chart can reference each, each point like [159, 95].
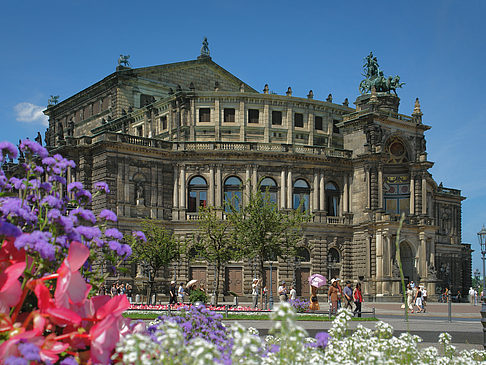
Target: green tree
[215, 242]
[264, 232]
[160, 249]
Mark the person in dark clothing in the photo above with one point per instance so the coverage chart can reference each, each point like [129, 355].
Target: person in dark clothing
[172, 293]
[358, 299]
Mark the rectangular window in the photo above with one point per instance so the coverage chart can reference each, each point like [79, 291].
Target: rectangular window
[298, 120]
[253, 115]
[204, 115]
[276, 117]
[318, 123]
[229, 115]
[140, 131]
[163, 122]
[335, 128]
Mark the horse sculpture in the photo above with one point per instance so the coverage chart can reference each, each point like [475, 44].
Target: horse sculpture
[123, 60]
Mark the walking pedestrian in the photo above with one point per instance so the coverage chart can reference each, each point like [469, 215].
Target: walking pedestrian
[264, 298]
[129, 292]
[282, 292]
[418, 300]
[424, 298]
[314, 303]
[471, 295]
[333, 295]
[358, 299]
[293, 293]
[348, 296]
[172, 293]
[180, 293]
[340, 294]
[409, 298]
[255, 288]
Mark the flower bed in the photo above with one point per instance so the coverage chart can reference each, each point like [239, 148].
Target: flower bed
[165, 307]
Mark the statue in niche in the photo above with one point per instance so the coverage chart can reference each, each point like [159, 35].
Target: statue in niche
[431, 272]
[395, 269]
[139, 194]
[60, 131]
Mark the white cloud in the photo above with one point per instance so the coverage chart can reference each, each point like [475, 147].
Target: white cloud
[30, 113]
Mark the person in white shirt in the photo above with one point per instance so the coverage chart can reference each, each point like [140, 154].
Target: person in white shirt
[180, 293]
[471, 295]
[293, 293]
[254, 292]
[282, 292]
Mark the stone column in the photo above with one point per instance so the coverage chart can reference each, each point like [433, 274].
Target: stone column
[216, 119]
[212, 190]
[218, 187]
[379, 256]
[423, 256]
[412, 194]
[368, 188]
[345, 195]
[242, 121]
[247, 185]
[254, 179]
[282, 190]
[380, 187]
[175, 199]
[315, 192]
[424, 195]
[182, 184]
[289, 189]
[322, 193]
[267, 122]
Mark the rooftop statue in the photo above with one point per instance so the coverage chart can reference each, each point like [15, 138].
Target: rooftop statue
[53, 100]
[205, 48]
[375, 77]
[123, 60]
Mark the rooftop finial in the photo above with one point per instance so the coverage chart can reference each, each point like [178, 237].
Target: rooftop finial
[329, 98]
[416, 108]
[289, 91]
[205, 49]
[265, 89]
[123, 61]
[346, 102]
[310, 95]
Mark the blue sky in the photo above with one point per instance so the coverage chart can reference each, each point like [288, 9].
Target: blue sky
[437, 47]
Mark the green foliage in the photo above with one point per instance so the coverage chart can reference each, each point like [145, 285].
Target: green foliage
[198, 296]
[160, 249]
[264, 232]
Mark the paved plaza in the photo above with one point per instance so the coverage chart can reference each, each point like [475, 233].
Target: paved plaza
[465, 327]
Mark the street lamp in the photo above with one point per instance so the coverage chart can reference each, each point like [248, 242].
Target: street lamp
[482, 243]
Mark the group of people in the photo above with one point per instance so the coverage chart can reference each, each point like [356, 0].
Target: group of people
[344, 297]
[116, 289]
[284, 293]
[416, 298]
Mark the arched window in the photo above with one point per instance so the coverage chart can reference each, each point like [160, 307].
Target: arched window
[333, 263]
[334, 256]
[301, 196]
[232, 193]
[332, 199]
[198, 194]
[302, 254]
[269, 185]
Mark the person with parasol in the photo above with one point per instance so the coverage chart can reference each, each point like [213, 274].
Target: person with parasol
[315, 281]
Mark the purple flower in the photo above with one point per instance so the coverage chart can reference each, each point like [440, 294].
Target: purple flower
[139, 235]
[108, 215]
[17, 183]
[31, 147]
[113, 233]
[61, 180]
[114, 245]
[13, 207]
[49, 161]
[74, 186]
[9, 230]
[322, 339]
[125, 250]
[83, 196]
[37, 241]
[45, 186]
[85, 214]
[54, 214]
[89, 232]
[7, 148]
[69, 361]
[29, 351]
[102, 186]
[39, 170]
[52, 201]
[13, 360]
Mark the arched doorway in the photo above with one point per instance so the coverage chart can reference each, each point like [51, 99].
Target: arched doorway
[408, 261]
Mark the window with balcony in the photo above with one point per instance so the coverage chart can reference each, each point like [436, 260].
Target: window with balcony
[204, 115]
[318, 123]
[232, 194]
[332, 199]
[301, 195]
[197, 194]
[253, 115]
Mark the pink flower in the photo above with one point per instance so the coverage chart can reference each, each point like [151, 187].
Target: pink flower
[10, 288]
[71, 287]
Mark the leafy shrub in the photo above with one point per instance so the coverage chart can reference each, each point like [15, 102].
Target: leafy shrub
[198, 296]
